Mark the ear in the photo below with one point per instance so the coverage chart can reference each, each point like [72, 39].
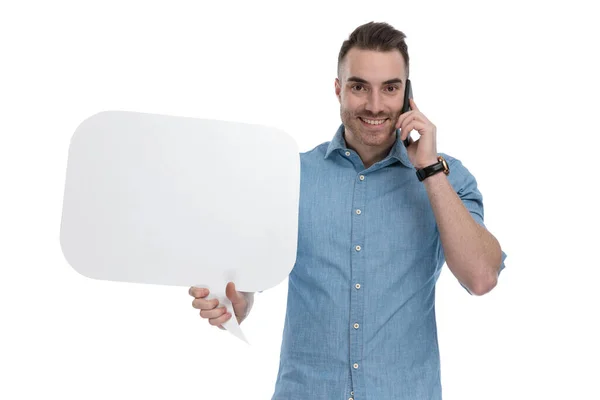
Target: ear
[338, 90]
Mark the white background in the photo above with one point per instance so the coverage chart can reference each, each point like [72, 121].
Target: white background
[512, 87]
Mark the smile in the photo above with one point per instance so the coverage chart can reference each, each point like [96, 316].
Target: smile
[372, 121]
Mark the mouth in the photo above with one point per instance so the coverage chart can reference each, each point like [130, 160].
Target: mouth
[373, 123]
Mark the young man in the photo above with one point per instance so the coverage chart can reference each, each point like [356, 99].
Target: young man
[377, 221]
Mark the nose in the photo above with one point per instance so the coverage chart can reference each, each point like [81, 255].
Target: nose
[374, 103]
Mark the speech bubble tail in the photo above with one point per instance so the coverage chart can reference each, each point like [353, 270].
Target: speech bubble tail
[234, 328]
[232, 324]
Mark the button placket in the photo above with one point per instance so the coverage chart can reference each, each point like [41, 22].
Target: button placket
[358, 266]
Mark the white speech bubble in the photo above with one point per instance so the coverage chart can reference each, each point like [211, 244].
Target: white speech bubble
[181, 201]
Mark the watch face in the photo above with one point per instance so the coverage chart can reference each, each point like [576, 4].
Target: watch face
[444, 164]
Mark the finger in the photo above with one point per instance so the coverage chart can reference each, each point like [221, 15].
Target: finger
[409, 116]
[413, 125]
[221, 328]
[405, 129]
[413, 117]
[214, 313]
[220, 320]
[202, 304]
[413, 105]
[198, 292]
[402, 117]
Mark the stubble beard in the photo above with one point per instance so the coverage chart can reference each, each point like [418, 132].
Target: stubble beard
[363, 135]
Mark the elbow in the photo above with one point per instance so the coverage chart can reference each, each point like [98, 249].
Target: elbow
[479, 289]
[483, 284]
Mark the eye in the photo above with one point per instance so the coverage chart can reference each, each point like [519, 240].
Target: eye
[357, 86]
[391, 89]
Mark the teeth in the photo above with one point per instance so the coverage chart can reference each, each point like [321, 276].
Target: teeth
[373, 122]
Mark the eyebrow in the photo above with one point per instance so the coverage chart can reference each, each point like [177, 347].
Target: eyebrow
[360, 80]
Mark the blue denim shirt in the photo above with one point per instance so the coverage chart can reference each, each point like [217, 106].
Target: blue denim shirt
[360, 320]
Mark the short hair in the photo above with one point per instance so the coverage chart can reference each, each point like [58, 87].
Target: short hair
[378, 36]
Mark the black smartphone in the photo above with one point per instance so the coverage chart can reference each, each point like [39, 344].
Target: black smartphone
[406, 107]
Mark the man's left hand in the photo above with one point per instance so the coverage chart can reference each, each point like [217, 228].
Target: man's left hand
[423, 151]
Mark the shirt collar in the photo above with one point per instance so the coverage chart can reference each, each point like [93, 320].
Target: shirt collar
[398, 150]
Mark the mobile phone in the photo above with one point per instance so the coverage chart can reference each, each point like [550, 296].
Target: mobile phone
[406, 106]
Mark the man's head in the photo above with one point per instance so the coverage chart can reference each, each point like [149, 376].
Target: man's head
[373, 66]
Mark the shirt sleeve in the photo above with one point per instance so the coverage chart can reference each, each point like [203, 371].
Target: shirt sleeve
[465, 185]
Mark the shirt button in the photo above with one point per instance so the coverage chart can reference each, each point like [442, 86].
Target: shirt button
[347, 153]
[351, 393]
[351, 398]
[355, 366]
[358, 212]
[357, 286]
[356, 326]
[362, 177]
[357, 248]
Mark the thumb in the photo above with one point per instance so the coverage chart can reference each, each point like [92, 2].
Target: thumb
[233, 295]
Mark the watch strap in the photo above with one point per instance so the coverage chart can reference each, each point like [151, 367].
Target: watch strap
[433, 169]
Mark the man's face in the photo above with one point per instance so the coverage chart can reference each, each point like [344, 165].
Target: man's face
[371, 93]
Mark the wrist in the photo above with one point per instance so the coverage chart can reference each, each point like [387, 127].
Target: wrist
[432, 169]
[427, 163]
[434, 178]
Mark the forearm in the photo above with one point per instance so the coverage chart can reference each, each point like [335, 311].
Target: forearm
[472, 253]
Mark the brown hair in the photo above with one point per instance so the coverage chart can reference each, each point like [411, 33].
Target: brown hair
[378, 36]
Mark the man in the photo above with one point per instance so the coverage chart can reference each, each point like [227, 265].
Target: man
[360, 320]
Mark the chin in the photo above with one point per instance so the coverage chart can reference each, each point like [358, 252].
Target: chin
[373, 138]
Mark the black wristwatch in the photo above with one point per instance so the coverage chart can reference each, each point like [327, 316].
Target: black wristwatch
[433, 169]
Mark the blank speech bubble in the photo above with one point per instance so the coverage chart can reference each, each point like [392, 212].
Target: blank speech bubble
[181, 201]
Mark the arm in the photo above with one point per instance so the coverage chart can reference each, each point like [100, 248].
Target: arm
[472, 253]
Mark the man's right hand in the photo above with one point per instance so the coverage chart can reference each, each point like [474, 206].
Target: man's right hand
[217, 314]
